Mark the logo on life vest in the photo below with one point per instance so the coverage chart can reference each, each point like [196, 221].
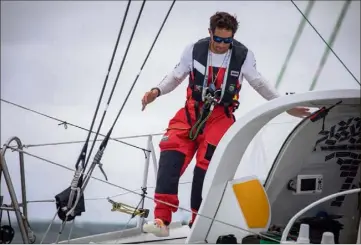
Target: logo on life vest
[234, 73]
[231, 88]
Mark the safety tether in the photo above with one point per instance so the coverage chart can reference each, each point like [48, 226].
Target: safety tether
[210, 100]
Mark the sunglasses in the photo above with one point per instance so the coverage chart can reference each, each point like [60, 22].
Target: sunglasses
[222, 39]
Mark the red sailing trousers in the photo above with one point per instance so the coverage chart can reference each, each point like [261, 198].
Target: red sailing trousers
[178, 150]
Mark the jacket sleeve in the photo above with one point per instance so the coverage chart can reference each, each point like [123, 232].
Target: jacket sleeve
[255, 78]
[178, 74]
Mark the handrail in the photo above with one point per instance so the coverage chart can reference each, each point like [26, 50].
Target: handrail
[15, 204]
[304, 210]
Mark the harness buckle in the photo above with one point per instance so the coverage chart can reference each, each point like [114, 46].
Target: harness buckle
[212, 95]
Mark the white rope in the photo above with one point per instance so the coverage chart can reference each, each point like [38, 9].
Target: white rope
[48, 229]
[71, 230]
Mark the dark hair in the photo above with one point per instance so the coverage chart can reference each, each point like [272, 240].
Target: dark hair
[223, 20]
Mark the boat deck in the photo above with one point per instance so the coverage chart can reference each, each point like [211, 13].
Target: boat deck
[177, 235]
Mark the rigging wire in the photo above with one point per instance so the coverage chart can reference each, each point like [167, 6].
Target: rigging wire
[83, 153]
[331, 41]
[144, 62]
[339, 59]
[119, 70]
[295, 40]
[65, 123]
[82, 141]
[140, 71]
[136, 78]
[105, 140]
[140, 194]
[108, 135]
[103, 198]
[124, 137]
[68, 200]
[80, 181]
[144, 193]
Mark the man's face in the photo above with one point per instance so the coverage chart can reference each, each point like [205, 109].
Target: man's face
[221, 40]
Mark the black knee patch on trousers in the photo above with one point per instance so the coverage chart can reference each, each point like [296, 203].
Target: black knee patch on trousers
[197, 186]
[209, 152]
[170, 166]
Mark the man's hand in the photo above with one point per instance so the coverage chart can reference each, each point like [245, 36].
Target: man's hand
[299, 112]
[149, 97]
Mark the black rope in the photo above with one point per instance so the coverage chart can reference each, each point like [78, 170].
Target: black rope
[83, 153]
[145, 154]
[339, 59]
[145, 60]
[70, 124]
[143, 195]
[106, 79]
[105, 140]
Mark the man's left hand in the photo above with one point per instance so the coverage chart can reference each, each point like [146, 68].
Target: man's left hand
[299, 112]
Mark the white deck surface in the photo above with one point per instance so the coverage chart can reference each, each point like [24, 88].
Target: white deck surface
[177, 235]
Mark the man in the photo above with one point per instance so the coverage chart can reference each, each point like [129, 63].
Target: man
[222, 60]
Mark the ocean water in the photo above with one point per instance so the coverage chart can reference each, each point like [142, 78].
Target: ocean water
[79, 230]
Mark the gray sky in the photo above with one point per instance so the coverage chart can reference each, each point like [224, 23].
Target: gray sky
[55, 55]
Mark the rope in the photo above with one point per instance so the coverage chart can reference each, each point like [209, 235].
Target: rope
[145, 61]
[326, 43]
[198, 125]
[49, 227]
[148, 197]
[70, 124]
[104, 143]
[126, 226]
[71, 230]
[331, 42]
[106, 80]
[297, 36]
